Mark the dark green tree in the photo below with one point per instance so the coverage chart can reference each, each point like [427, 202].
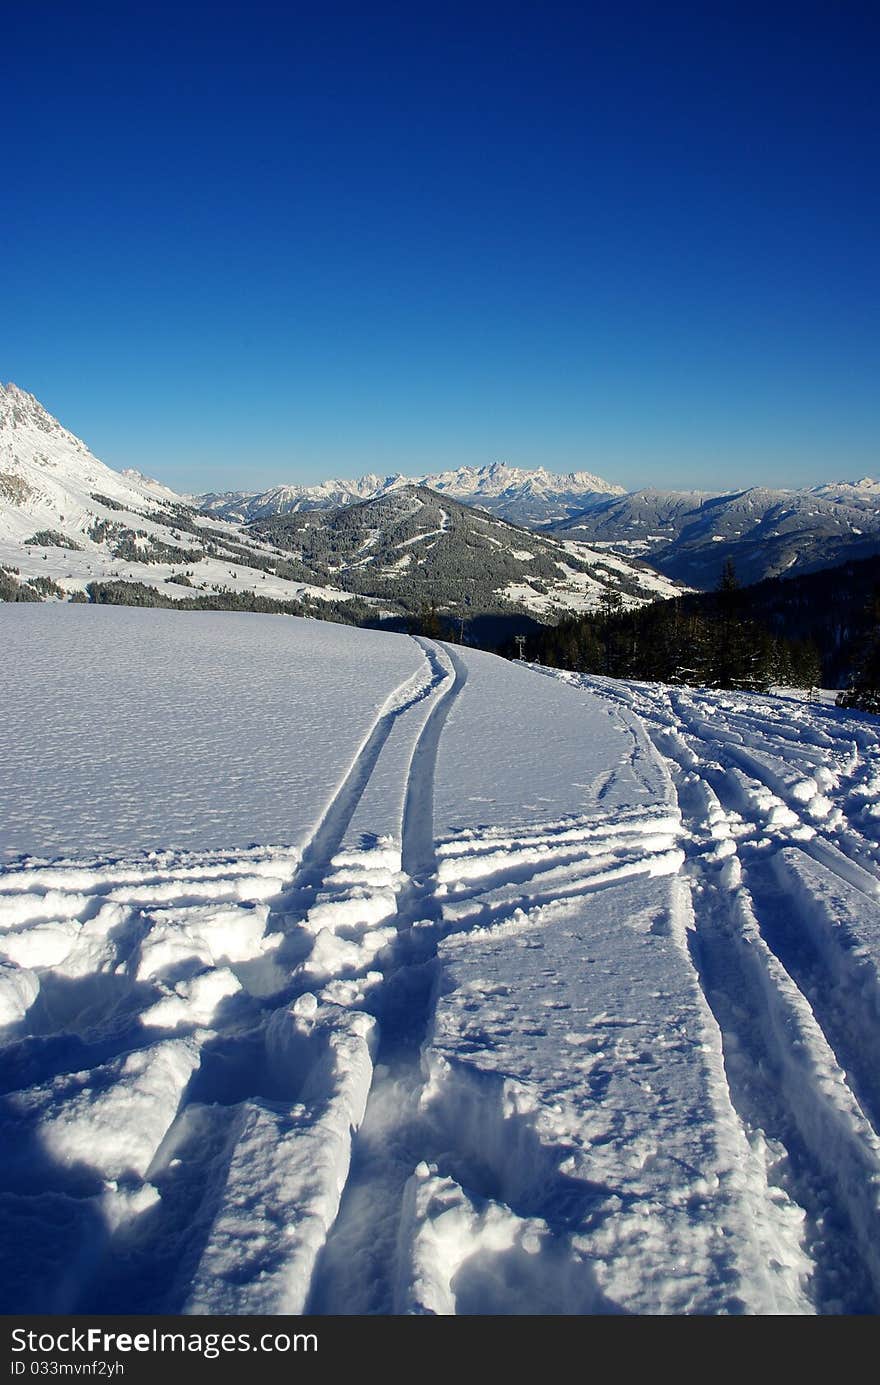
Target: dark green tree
[863, 692]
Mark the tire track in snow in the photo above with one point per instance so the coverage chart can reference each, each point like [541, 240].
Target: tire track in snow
[419, 857]
[814, 917]
[832, 1149]
[483, 887]
[785, 1083]
[318, 882]
[317, 879]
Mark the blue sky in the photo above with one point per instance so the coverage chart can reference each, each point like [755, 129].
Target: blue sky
[262, 242]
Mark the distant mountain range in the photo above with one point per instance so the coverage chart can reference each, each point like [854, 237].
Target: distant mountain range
[691, 535]
[123, 526]
[533, 498]
[686, 535]
[72, 528]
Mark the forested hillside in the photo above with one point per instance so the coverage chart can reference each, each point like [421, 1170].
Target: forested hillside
[817, 629]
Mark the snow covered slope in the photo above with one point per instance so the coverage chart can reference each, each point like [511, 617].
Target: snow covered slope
[67, 520]
[345, 972]
[47, 475]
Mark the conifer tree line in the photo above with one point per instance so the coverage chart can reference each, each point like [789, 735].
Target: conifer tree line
[709, 641]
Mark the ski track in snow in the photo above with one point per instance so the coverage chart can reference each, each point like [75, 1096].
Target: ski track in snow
[224, 998]
[614, 1050]
[781, 837]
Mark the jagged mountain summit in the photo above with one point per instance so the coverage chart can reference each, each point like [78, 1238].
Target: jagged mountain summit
[45, 471]
[243, 507]
[73, 528]
[691, 535]
[534, 498]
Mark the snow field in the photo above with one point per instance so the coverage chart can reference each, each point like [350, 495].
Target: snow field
[185, 943]
[128, 733]
[536, 995]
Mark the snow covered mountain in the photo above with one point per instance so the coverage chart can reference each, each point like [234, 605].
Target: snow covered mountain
[48, 476]
[379, 976]
[412, 548]
[71, 526]
[532, 498]
[243, 507]
[690, 535]
[67, 522]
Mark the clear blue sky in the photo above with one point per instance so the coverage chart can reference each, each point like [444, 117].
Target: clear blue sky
[267, 242]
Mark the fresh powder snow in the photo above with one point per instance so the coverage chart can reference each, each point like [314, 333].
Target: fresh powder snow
[348, 972]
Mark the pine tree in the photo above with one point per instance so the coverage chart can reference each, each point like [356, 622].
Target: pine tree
[741, 652]
[863, 692]
[610, 609]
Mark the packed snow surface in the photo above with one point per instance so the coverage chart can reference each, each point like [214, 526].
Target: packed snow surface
[128, 734]
[343, 972]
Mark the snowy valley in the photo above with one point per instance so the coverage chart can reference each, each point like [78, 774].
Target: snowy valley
[351, 972]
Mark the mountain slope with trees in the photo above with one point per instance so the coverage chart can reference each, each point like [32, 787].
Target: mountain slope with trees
[413, 549]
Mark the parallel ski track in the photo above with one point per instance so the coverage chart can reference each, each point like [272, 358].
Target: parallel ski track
[163, 1248]
[419, 858]
[356, 1269]
[328, 836]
